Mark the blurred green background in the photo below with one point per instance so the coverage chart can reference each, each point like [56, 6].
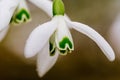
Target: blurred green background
[87, 62]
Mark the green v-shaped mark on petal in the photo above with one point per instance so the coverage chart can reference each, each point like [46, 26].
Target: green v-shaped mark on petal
[52, 49]
[65, 46]
[52, 45]
[21, 16]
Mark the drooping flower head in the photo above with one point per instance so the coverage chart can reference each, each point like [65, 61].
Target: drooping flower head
[53, 38]
[21, 13]
[16, 12]
[12, 12]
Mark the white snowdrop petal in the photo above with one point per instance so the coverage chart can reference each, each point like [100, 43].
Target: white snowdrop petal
[39, 37]
[45, 5]
[44, 61]
[63, 36]
[62, 29]
[96, 37]
[7, 8]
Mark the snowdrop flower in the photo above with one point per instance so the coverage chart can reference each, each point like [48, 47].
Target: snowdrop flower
[12, 11]
[16, 12]
[53, 38]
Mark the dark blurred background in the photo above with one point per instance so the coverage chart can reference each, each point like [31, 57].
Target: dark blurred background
[87, 62]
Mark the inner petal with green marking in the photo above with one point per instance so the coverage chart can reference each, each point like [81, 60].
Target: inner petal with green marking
[21, 16]
[52, 49]
[65, 46]
[52, 45]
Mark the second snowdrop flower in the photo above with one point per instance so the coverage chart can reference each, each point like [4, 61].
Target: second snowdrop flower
[14, 11]
[21, 13]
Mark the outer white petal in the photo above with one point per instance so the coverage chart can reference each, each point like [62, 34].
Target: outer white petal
[3, 33]
[101, 42]
[44, 61]
[7, 8]
[39, 37]
[45, 5]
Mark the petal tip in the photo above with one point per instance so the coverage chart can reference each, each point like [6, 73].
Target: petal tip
[27, 53]
[109, 53]
[112, 57]
[41, 73]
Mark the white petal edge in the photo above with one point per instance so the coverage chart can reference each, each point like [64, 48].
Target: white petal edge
[45, 5]
[96, 37]
[7, 8]
[44, 61]
[39, 37]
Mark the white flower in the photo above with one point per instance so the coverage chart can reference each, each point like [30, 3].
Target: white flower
[16, 12]
[53, 38]
[12, 11]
